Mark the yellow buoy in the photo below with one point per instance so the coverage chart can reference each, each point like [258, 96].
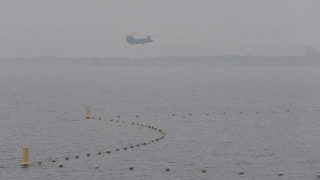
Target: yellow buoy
[204, 170]
[25, 160]
[39, 162]
[241, 172]
[53, 160]
[280, 174]
[131, 168]
[88, 113]
[167, 169]
[77, 156]
[96, 166]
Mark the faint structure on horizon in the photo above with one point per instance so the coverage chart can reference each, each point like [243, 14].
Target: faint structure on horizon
[310, 51]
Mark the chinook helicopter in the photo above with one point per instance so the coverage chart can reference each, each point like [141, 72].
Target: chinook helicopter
[131, 40]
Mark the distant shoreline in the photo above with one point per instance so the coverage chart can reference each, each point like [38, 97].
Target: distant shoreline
[168, 61]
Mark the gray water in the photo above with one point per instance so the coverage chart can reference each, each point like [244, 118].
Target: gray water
[260, 120]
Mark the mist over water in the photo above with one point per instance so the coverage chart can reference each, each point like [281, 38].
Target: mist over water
[262, 120]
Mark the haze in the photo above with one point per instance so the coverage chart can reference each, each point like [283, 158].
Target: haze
[78, 28]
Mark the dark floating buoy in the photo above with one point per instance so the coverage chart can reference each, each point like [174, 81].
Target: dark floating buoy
[99, 153]
[117, 120]
[131, 168]
[138, 145]
[61, 165]
[207, 113]
[122, 121]
[132, 122]
[224, 113]
[125, 148]
[118, 116]
[287, 110]
[117, 149]
[152, 141]
[99, 118]
[204, 170]
[88, 154]
[53, 160]
[173, 114]
[137, 116]
[108, 151]
[167, 169]
[131, 146]
[93, 117]
[138, 124]
[141, 124]
[77, 156]
[257, 112]
[144, 144]
[240, 112]
[67, 158]
[190, 114]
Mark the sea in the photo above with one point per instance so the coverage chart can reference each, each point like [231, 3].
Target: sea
[263, 121]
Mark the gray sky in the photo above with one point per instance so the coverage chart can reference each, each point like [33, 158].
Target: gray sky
[87, 28]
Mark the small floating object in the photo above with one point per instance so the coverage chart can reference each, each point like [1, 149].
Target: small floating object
[117, 120]
[108, 151]
[61, 165]
[241, 172]
[224, 113]
[149, 126]
[132, 122]
[88, 154]
[99, 152]
[137, 116]
[240, 112]
[122, 121]
[118, 116]
[257, 112]
[138, 145]
[125, 148]
[167, 169]
[204, 170]
[111, 119]
[131, 146]
[141, 124]
[287, 110]
[77, 156]
[207, 113]
[173, 114]
[190, 114]
[96, 166]
[155, 128]
[157, 139]
[318, 175]
[39, 162]
[93, 117]
[152, 141]
[53, 160]
[67, 158]
[99, 118]
[138, 124]
[152, 127]
[117, 149]
[131, 168]
[280, 173]
[144, 144]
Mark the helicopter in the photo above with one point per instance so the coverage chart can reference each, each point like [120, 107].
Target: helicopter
[131, 40]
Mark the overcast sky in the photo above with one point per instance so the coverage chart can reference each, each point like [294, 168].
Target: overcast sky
[87, 28]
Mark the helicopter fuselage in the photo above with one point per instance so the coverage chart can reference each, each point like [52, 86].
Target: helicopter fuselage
[131, 40]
